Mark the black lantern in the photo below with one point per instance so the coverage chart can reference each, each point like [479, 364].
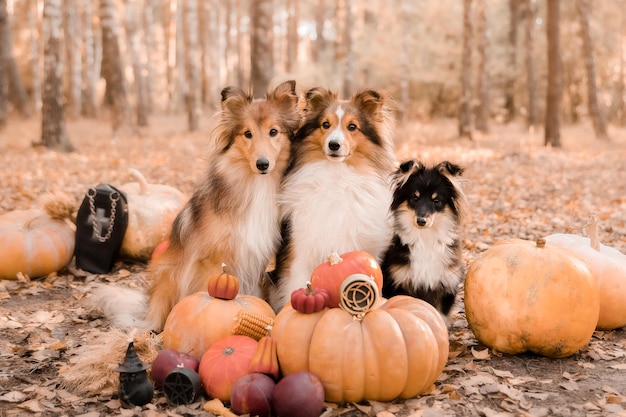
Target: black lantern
[135, 387]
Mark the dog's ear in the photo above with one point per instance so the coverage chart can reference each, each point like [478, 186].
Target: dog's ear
[406, 166]
[234, 99]
[369, 101]
[284, 94]
[404, 171]
[448, 168]
[318, 98]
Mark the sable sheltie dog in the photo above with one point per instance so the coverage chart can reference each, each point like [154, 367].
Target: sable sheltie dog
[336, 192]
[233, 216]
[424, 259]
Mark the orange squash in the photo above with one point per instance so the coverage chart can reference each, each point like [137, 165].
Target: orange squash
[199, 320]
[393, 349]
[36, 242]
[223, 285]
[608, 266]
[528, 296]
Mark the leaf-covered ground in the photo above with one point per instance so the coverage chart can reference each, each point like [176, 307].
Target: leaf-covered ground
[515, 188]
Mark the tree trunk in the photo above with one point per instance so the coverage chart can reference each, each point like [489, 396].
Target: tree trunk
[348, 74]
[532, 114]
[242, 53]
[465, 106]
[620, 106]
[53, 131]
[4, 53]
[597, 118]
[138, 69]
[405, 58]
[192, 64]
[293, 17]
[552, 132]
[318, 44]
[112, 67]
[261, 57]
[34, 52]
[511, 74]
[482, 88]
[73, 48]
[90, 74]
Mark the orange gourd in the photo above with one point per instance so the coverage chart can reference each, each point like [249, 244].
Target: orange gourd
[36, 242]
[225, 362]
[152, 209]
[223, 285]
[199, 320]
[330, 274]
[265, 359]
[608, 266]
[528, 296]
[389, 349]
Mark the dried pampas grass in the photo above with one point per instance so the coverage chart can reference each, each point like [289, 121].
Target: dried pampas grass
[92, 367]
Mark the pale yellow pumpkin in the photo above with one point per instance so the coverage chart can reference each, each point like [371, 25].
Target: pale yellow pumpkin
[528, 296]
[152, 209]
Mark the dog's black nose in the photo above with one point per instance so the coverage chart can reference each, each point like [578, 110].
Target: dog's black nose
[421, 221]
[334, 145]
[262, 164]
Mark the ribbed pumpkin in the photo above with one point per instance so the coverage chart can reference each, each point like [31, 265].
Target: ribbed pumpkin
[608, 266]
[199, 320]
[528, 296]
[152, 209]
[395, 350]
[36, 242]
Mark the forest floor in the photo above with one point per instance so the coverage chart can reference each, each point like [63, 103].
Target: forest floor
[516, 188]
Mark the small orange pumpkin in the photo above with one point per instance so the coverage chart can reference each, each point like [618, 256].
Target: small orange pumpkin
[330, 274]
[223, 285]
[528, 296]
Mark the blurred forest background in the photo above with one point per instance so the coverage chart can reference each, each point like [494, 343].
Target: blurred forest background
[477, 61]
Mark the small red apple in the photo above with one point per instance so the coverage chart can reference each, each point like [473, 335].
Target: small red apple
[168, 359]
[300, 394]
[252, 394]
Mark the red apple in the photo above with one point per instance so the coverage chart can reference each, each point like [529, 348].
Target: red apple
[168, 359]
[252, 394]
[300, 394]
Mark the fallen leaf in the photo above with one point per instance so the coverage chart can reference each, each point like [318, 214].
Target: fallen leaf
[481, 354]
[13, 397]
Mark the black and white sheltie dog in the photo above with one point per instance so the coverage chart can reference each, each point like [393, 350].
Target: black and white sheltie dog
[336, 192]
[424, 259]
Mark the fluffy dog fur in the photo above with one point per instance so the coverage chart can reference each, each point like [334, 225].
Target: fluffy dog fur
[233, 216]
[424, 259]
[336, 192]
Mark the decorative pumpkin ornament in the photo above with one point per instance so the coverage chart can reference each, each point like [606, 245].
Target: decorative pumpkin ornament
[152, 209]
[37, 242]
[608, 266]
[224, 362]
[330, 274]
[528, 296]
[199, 320]
[309, 300]
[383, 350]
[265, 359]
[223, 285]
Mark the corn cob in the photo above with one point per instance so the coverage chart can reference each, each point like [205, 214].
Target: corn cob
[252, 324]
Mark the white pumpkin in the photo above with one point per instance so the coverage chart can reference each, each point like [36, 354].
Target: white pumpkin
[152, 209]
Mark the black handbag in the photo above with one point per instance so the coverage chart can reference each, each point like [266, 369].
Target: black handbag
[101, 223]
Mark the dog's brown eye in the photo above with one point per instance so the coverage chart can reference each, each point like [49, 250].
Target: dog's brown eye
[247, 134]
[437, 202]
[326, 125]
[273, 132]
[351, 127]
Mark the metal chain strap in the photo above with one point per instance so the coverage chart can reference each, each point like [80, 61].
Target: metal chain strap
[115, 196]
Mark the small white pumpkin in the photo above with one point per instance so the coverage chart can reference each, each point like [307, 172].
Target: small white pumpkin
[152, 209]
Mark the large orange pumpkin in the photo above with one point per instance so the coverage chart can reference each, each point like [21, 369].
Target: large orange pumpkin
[528, 296]
[396, 349]
[36, 242]
[608, 266]
[152, 209]
[199, 320]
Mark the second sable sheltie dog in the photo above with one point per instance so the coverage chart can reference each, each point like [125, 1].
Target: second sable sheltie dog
[233, 216]
[424, 259]
[336, 192]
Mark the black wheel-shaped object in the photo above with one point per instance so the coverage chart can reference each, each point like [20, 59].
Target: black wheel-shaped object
[182, 386]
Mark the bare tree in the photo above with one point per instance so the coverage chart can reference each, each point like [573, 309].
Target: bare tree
[597, 118]
[404, 61]
[620, 89]
[482, 87]
[141, 89]
[348, 74]
[293, 17]
[73, 48]
[89, 74]
[320, 18]
[53, 130]
[552, 134]
[532, 113]
[11, 84]
[192, 64]
[511, 75]
[4, 53]
[262, 39]
[34, 36]
[465, 105]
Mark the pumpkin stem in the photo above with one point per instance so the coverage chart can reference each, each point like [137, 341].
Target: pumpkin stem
[541, 242]
[224, 268]
[592, 231]
[138, 176]
[309, 288]
[334, 259]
